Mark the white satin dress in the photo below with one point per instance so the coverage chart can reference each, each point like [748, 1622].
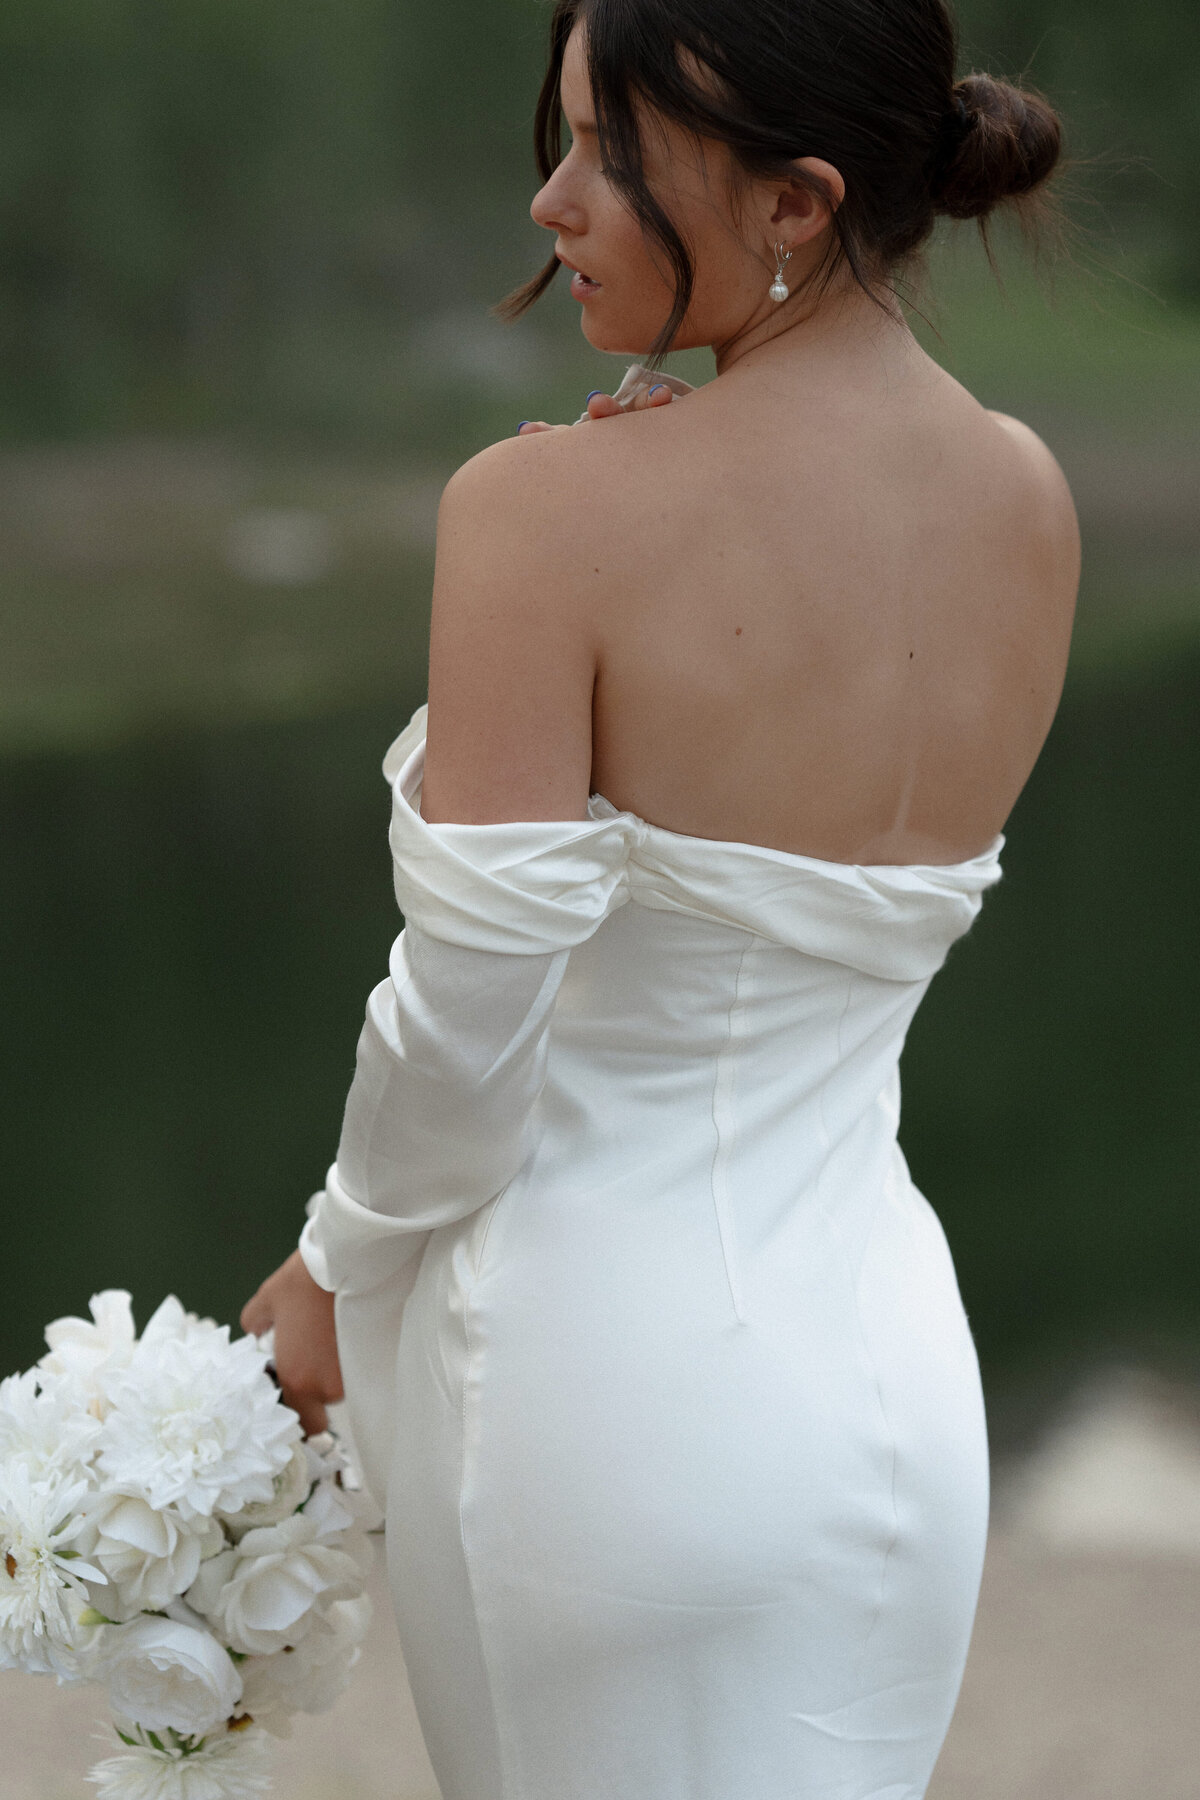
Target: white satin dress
[654, 1353]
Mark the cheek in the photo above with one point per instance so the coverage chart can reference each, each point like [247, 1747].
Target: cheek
[624, 243]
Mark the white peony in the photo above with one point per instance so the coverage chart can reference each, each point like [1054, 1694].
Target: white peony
[81, 1352]
[231, 1765]
[168, 1676]
[149, 1556]
[292, 1487]
[310, 1677]
[40, 1572]
[264, 1593]
[194, 1421]
[45, 1426]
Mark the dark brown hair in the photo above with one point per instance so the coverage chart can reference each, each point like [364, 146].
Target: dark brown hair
[867, 85]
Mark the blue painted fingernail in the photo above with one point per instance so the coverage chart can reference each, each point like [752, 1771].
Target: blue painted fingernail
[593, 394]
[659, 387]
[517, 432]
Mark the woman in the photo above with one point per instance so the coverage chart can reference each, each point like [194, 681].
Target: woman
[653, 1351]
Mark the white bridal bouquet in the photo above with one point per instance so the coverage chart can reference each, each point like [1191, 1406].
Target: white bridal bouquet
[166, 1529]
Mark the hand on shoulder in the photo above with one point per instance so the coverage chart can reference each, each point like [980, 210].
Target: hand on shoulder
[600, 405]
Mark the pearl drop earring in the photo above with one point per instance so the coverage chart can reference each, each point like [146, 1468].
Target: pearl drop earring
[778, 289]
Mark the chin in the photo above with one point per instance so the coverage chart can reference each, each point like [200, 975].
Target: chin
[617, 340]
[632, 337]
[611, 337]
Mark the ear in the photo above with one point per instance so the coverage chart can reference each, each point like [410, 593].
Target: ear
[806, 215]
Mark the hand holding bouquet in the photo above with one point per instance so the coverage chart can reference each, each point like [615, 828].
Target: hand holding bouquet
[166, 1529]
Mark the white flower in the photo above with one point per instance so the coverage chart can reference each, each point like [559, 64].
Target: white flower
[45, 1426]
[194, 1420]
[170, 1320]
[292, 1486]
[39, 1572]
[264, 1593]
[231, 1765]
[149, 1556]
[310, 1677]
[168, 1676]
[81, 1352]
[330, 1515]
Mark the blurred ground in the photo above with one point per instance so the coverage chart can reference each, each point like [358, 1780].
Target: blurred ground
[1081, 1680]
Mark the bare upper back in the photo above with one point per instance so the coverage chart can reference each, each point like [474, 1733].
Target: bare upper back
[835, 623]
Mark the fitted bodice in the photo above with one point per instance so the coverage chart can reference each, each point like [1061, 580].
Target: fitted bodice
[700, 974]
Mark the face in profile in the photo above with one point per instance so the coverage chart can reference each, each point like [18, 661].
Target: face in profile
[625, 285]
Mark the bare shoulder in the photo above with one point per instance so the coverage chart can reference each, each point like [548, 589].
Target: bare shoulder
[551, 478]
[1039, 471]
[513, 633]
[1038, 494]
[535, 525]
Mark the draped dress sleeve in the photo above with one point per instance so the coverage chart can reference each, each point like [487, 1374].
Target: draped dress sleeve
[442, 1111]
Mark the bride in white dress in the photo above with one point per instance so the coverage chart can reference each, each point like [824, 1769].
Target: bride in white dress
[654, 1352]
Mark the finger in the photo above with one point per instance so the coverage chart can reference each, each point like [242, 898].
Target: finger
[306, 1398]
[311, 1411]
[642, 401]
[527, 427]
[602, 406]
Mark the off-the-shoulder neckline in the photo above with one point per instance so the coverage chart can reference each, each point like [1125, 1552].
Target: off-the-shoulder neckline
[395, 765]
[988, 854]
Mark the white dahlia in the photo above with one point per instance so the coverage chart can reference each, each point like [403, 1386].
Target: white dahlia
[45, 1426]
[266, 1593]
[40, 1572]
[171, 1320]
[194, 1421]
[149, 1555]
[82, 1351]
[232, 1765]
[310, 1677]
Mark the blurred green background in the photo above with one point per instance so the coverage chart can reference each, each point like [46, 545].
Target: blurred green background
[247, 252]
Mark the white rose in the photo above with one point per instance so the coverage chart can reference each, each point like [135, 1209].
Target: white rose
[310, 1677]
[291, 1487]
[149, 1556]
[262, 1594]
[168, 1676]
[329, 1513]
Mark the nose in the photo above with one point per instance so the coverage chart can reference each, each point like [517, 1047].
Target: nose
[553, 208]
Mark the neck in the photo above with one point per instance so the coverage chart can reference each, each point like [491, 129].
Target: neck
[803, 329]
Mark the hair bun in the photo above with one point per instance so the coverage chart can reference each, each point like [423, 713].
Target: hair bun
[1003, 142]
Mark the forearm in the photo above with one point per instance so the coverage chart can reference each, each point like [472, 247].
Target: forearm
[442, 1111]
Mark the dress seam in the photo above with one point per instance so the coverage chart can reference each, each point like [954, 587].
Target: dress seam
[724, 1117]
[468, 1374]
[894, 1536]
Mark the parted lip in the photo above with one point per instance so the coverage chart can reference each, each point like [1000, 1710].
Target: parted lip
[573, 266]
